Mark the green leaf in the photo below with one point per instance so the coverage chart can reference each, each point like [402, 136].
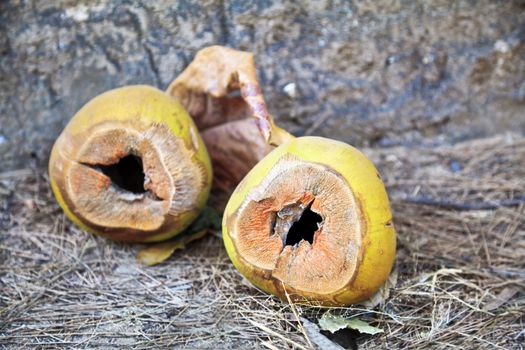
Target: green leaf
[210, 218]
[329, 322]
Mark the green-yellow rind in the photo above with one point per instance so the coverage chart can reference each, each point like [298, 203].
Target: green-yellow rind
[378, 244]
[141, 105]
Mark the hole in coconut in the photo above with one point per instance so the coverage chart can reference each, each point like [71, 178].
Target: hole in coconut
[304, 228]
[127, 174]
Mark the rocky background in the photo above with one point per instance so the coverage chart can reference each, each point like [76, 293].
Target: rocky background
[371, 73]
[406, 80]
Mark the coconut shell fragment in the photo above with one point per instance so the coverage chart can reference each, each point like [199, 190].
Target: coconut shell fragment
[130, 165]
[312, 222]
[221, 92]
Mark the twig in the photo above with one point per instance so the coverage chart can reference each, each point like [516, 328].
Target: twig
[449, 204]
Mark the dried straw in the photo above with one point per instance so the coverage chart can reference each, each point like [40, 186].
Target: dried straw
[459, 213]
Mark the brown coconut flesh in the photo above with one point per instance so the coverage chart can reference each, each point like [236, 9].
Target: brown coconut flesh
[302, 226]
[127, 179]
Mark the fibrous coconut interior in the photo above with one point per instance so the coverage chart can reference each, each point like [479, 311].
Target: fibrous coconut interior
[301, 224]
[126, 175]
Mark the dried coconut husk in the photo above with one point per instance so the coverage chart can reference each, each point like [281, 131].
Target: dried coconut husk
[221, 92]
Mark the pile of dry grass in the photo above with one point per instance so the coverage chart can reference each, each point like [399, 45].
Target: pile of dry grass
[459, 213]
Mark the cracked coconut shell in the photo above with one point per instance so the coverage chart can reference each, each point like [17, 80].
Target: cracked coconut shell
[311, 222]
[220, 91]
[131, 166]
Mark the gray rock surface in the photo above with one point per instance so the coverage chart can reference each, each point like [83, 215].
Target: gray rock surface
[376, 72]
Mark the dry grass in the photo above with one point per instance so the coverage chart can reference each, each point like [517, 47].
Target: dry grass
[461, 272]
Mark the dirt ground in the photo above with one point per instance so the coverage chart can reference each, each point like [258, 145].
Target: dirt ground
[459, 213]
[433, 92]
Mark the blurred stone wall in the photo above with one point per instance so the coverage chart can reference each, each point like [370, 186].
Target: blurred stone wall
[378, 72]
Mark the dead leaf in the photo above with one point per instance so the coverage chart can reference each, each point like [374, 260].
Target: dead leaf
[209, 220]
[332, 323]
[159, 252]
[220, 90]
